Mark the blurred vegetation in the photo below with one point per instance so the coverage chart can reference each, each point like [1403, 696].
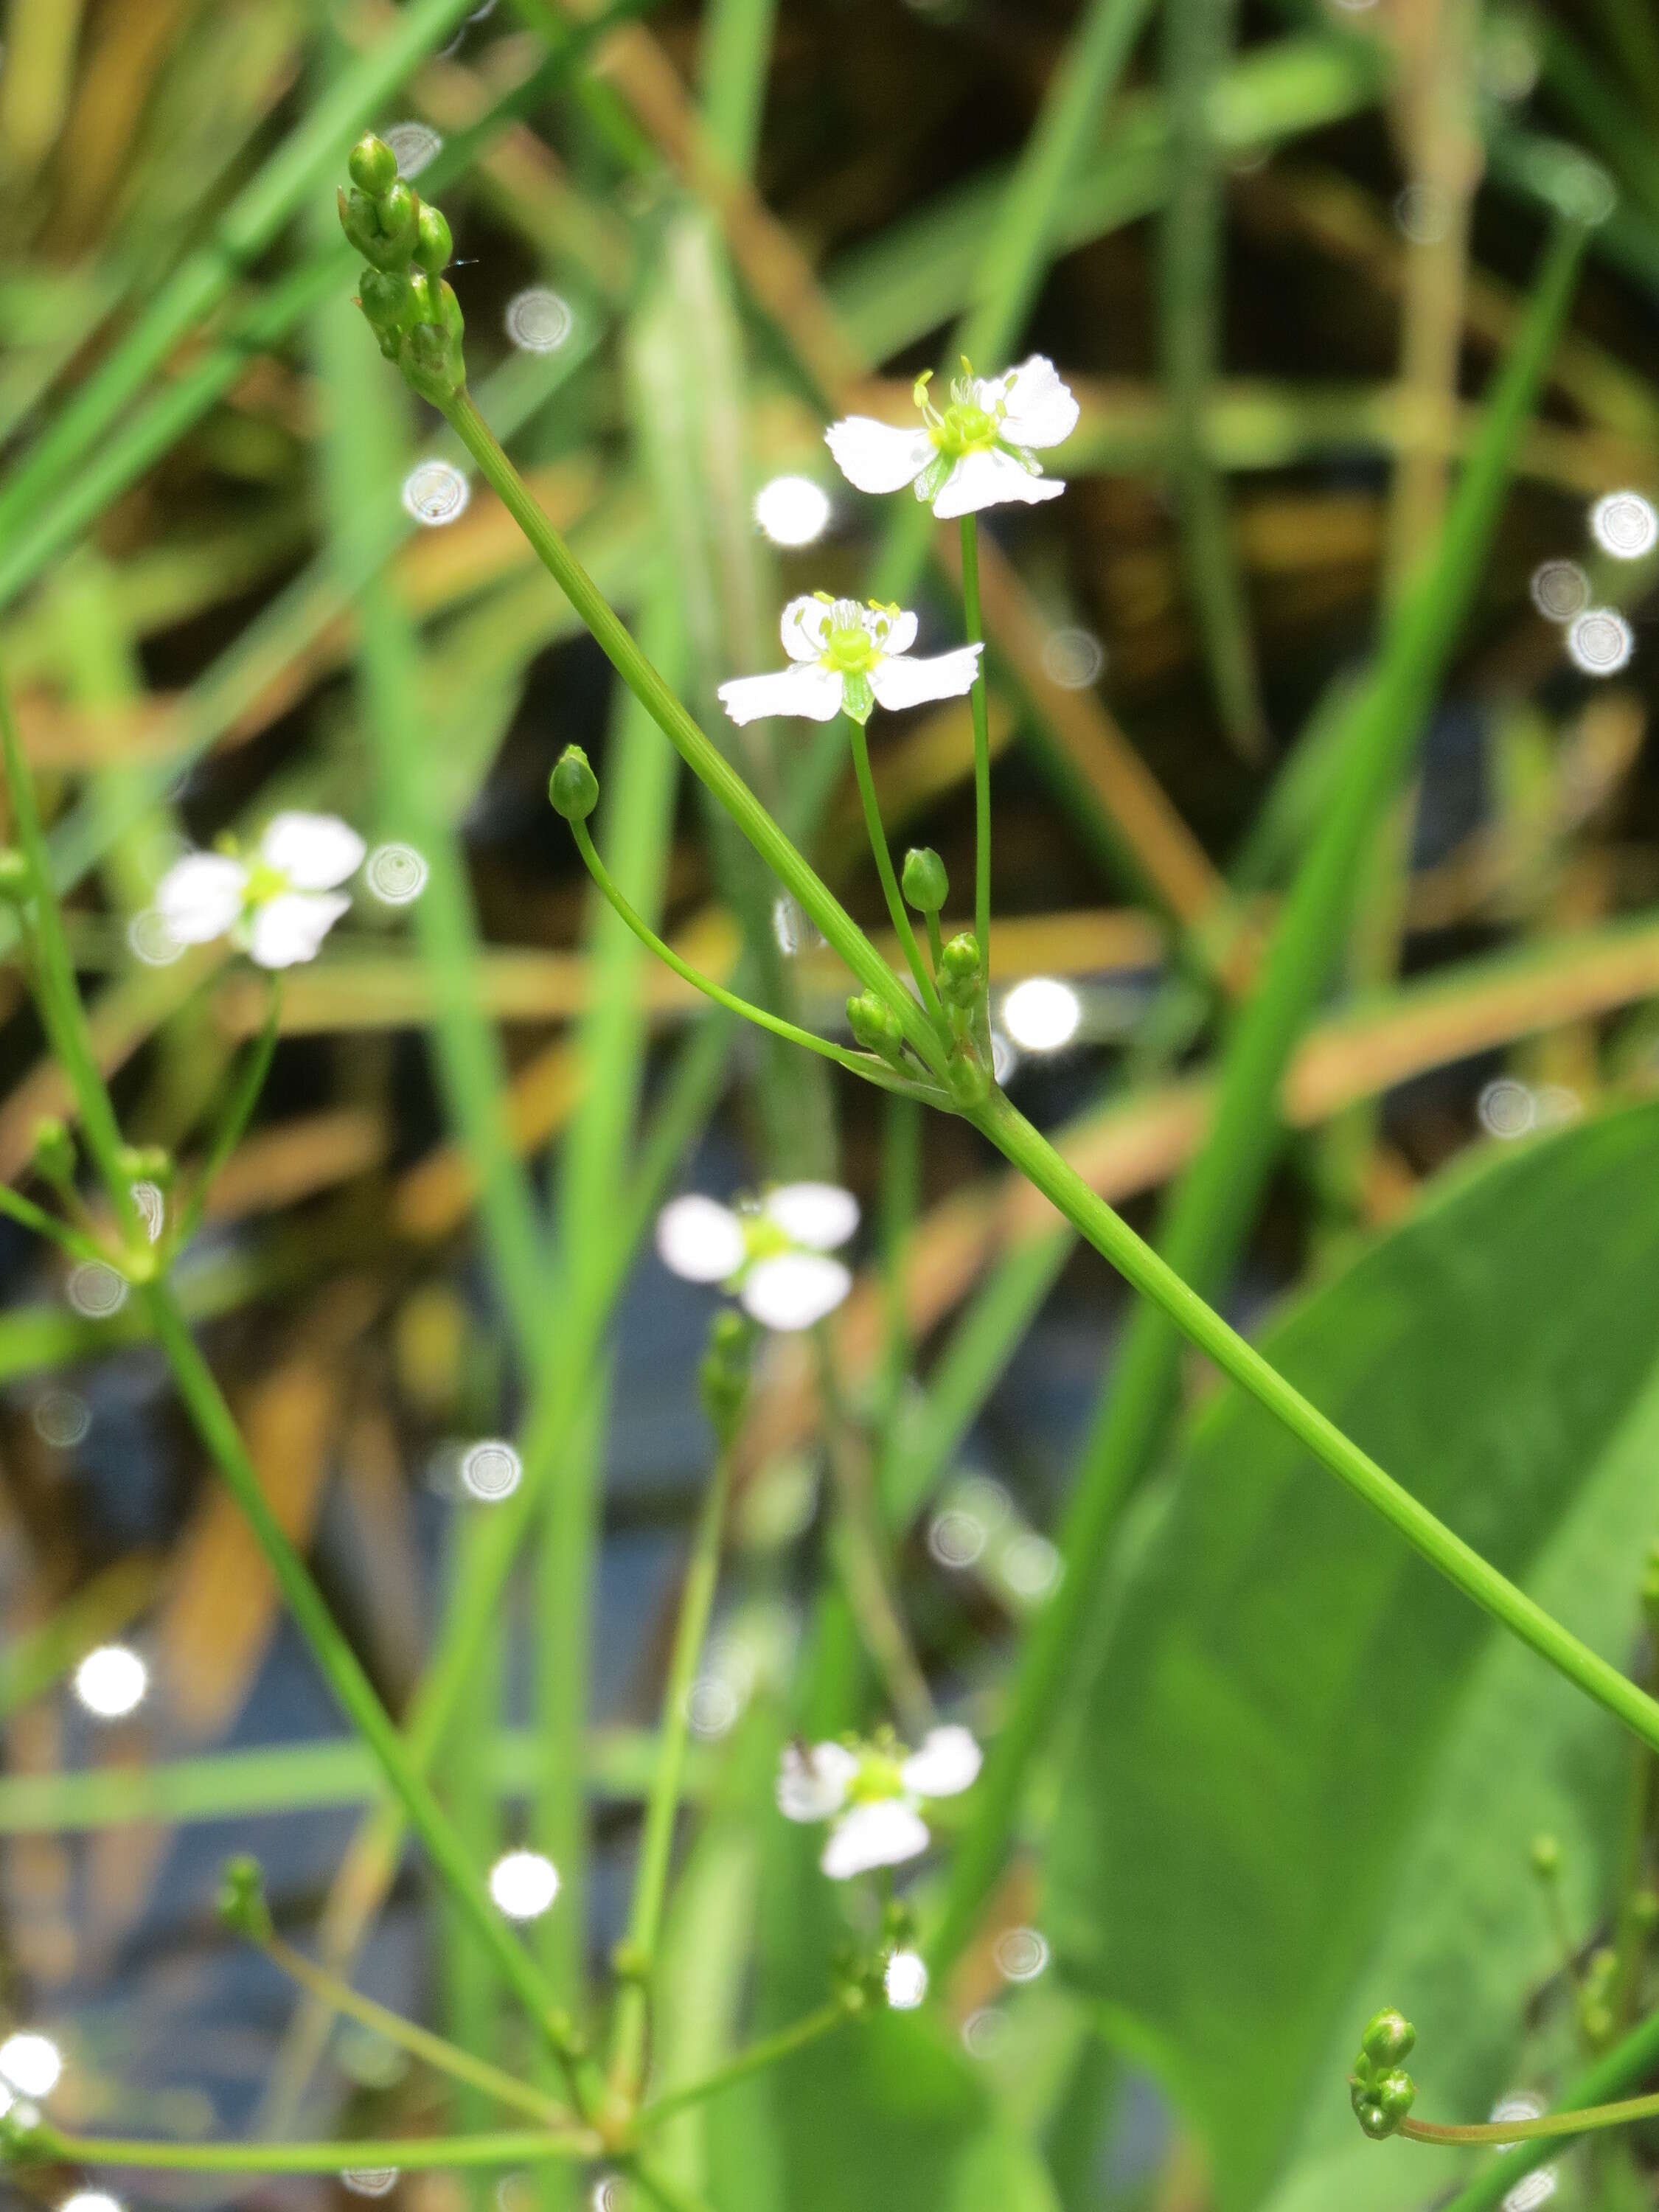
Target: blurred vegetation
[1354, 877]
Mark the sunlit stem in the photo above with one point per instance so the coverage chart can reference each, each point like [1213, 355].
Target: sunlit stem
[445, 2058]
[864, 1064]
[657, 1838]
[1550, 2127]
[238, 1112]
[27, 1215]
[698, 750]
[758, 2056]
[521, 2147]
[873, 823]
[974, 625]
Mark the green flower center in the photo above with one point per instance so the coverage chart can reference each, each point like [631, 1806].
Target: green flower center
[264, 883]
[763, 1238]
[964, 427]
[879, 1778]
[850, 651]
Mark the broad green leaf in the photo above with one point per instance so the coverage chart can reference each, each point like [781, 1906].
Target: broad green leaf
[1309, 1770]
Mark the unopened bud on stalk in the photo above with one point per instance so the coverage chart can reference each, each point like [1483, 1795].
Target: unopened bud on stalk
[927, 886]
[573, 786]
[14, 878]
[242, 1906]
[53, 1152]
[876, 1028]
[413, 314]
[1380, 2089]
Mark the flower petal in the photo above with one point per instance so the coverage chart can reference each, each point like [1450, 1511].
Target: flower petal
[291, 926]
[880, 1833]
[804, 626]
[812, 1785]
[901, 632]
[819, 1215]
[313, 851]
[200, 896]
[700, 1239]
[991, 478]
[947, 1763]
[875, 457]
[804, 690]
[1041, 409]
[903, 681]
[795, 1289]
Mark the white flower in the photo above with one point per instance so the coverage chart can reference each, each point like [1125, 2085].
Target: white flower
[846, 659]
[276, 906]
[979, 452]
[775, 1257]
[873, 1795]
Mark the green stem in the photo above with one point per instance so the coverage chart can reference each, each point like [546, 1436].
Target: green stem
[973, 625]
[1551, 2128]
[890, 889]
[28, 1215]
[436, 2051]
[935, 941]
[698, 751]
[1041, 1165]
[238, 1112]
[662, 1806]
[1628, 2061]
[758, 2056]
[409, 2156]
[860, 1063]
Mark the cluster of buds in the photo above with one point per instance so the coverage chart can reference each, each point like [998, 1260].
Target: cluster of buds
[961, 990]
[412, 312]
[1381, 2091]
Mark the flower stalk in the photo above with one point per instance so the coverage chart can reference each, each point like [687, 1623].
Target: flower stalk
[973, 625]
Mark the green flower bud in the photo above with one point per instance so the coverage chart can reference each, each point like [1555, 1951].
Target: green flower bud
[630, 1961]
[927, 886]
[24, 2137]
[390, 301]
[573, 786]
[1396, 2093]
[431, 357]
[14, 877]
[433, 246]
[241, 1902]
[876, 1028]
[959, 967]
[1545, 1857]
[52, 1150]
[146, 1164]
[1598, 2023]
[1389, 2038]
[372, 166]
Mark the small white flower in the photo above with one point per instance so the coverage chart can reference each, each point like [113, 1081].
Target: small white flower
[276, 906]
[905, 1980]
[873, 1795]
[980, 453]
[775, 1258]
[846, 659]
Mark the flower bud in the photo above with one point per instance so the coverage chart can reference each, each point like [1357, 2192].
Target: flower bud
[434, 245]
[431, 358]
[927, 886]
[573, 786]
[14, 878]
[1389, 2038]
[146, 1164]
[1545, 1857]
[959, 966]
[876, 1028]
[388, 299]
[52, 1150]
[372, 166]
[241, 1902]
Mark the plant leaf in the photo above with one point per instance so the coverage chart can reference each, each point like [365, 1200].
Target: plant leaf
[1307, 1767]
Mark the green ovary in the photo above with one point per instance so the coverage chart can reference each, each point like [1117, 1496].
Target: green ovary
[876, 1779]
[965, 429]
[264, 883]
[850, 651]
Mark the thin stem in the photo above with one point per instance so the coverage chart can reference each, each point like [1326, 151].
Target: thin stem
[444, 2057]
[662, 1806]
[698, 751]
[1463, 1566]
[238, 1112]
[879, 846]
[522, 2147]
[673, 2195]
[1549, 2128]
[863, 1064]
[935, 942]
[28, 1215]
[758, 2056]
[974, 625]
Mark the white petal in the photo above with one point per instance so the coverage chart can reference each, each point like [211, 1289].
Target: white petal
[200, 896]
[820, 1215]
[1042, 411]
[874, 456]
[700, 1239]
[795, 1289]
[803, 627]
[903, 681]
[291, 926]
[814, 1786]
[991, 478]
[947, 1764]
[874, 1835]
[313, 851]
[810, 692]
[901, 632]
